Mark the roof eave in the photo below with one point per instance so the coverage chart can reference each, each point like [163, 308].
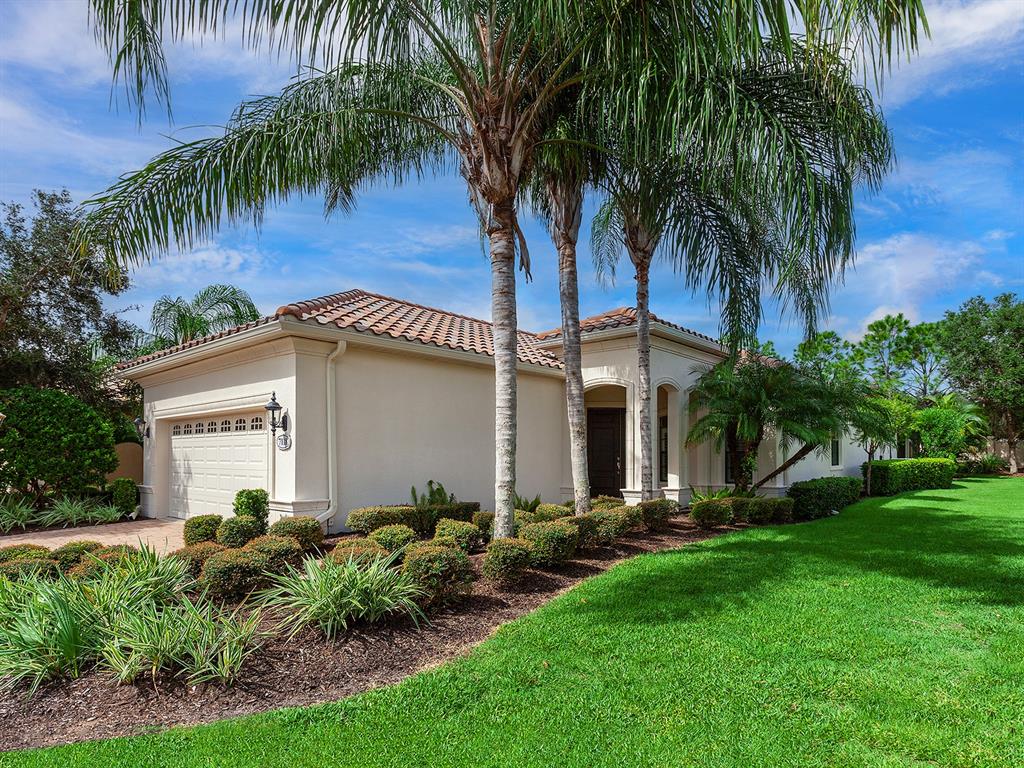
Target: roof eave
[658, 329]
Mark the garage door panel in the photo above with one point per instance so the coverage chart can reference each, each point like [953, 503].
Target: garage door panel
[209, 467]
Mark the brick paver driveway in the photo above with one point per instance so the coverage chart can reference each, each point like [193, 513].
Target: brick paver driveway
[162, 535]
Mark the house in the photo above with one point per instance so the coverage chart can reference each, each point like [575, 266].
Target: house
[380, 394]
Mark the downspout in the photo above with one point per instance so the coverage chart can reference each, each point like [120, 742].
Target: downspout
[332, 439]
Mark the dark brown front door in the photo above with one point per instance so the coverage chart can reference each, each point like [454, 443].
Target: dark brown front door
[606, 450]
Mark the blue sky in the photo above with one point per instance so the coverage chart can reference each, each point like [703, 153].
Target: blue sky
[948, 224]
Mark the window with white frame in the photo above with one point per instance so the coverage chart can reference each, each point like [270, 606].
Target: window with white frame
[835, 452]
[225, 426]
[240, 425]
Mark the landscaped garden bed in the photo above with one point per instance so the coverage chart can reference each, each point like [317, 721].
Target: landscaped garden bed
[307, 668]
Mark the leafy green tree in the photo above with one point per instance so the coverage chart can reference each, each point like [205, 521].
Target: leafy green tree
[925, 362]
[984, 346]
[51, 304]
[879, 423]
[885, 352]
[51, 442]
[215, 308]
[941, 432]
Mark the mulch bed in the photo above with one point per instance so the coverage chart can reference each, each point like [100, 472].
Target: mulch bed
[306, 669]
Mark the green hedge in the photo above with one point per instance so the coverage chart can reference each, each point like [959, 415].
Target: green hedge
[891, 476]
[823, 496]
[423, 520]
[711, 513]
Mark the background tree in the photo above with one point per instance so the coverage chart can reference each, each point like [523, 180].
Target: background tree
[885, 353]
[984, 346]
[925, 363]
[215, 308]
[52, 315]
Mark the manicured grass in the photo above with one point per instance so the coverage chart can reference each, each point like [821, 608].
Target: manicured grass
[891, 635]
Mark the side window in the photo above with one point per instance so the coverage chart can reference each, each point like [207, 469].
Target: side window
[835, 453]
[729, 472]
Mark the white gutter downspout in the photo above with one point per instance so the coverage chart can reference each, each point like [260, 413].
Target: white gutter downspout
[332, 439]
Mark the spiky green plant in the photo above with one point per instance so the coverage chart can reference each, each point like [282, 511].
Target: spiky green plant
[67, 512]
[332, 595]
[16, 512]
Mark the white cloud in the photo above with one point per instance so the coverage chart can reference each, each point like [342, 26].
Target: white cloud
[968, 40]
[901, 272]
[210, 263]
[975, 178]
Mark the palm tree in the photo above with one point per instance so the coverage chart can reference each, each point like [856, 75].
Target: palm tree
[775, 206]
[215, 308]
[752, 396]
[418, 86]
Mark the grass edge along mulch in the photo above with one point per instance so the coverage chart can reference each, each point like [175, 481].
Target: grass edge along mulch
[886, 636]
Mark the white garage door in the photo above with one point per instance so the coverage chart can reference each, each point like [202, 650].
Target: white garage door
[212, 459]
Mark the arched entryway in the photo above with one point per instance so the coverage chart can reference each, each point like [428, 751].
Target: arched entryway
[609, 438]
[669, 434]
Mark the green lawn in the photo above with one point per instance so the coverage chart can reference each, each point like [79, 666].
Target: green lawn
[891, 635]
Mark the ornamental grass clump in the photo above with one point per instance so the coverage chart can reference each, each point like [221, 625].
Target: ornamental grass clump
[16, 513]
[394, 538]
[553, 542]
[507, 560]
[333, 596]
[65, 512]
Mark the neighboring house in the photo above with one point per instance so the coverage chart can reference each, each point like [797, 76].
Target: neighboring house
[382, 394]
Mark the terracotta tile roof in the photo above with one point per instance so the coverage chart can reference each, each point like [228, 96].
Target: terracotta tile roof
[385, 316]
[620, 317]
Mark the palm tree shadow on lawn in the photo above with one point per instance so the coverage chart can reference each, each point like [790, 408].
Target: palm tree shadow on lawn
[897, 537]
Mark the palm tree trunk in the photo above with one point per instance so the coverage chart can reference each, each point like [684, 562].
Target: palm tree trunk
[804, 451]
[567, 212]
[501, 233]
[867, 473]
[643, 351]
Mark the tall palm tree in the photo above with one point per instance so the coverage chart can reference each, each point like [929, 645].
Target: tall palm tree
[775, 208]
[418, 86]
[215, 308]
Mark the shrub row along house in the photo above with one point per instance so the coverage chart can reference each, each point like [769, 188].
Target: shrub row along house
[378, 394]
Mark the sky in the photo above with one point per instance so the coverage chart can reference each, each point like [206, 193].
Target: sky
[947, 224]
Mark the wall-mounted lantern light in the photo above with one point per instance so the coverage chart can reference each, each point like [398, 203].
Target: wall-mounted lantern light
[141, 428]
[275, 418]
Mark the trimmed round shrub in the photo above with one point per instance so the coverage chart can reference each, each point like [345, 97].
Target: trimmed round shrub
[124, 495]
[824, 495]
[369, 519]
[69, 555]
[23, 552]
[393, 537]
[53, 440]
[782, 509]
[234, 573]
[485, 522]
[743, 507]
[96, 563]
[38, 567]
[356, 549]
[467, 536]
[586, 525]
[255, 503]
[202, 528]
[615, 523]
[195, 555]
[281, 551]
[506, 560]
[553, 542]
[305, 530]
[235, 532]
[606, 502]
[712, 513]
[444, 573]
[423, 519]
[545, 513]
[656, 512]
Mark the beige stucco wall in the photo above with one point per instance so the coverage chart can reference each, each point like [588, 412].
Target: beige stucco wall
[129, 462]
[404, 420]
